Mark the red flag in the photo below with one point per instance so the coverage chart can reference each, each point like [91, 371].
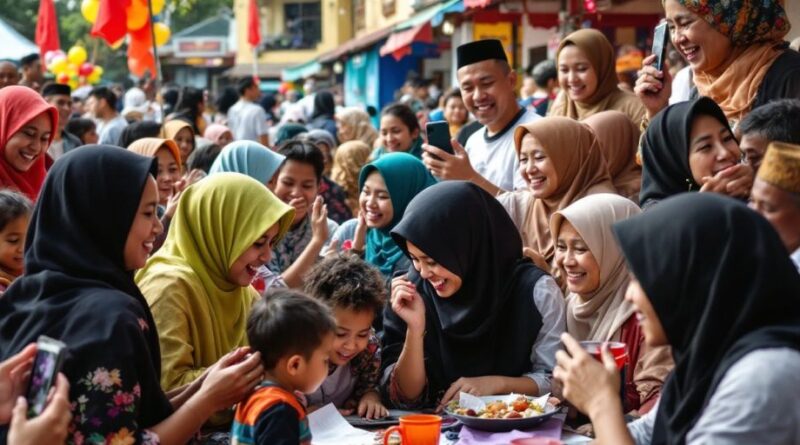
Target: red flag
[112, 21]
[47, 28]
[253, 25]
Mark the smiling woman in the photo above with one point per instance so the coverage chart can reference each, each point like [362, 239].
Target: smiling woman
[27, 123]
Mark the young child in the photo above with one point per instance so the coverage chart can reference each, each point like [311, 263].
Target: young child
[294, 334]
[354, 291]
[15, 212]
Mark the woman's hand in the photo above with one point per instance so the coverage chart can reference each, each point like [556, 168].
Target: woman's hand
[319, 221]
[370, 406]
[477, 386]
[408, 305]
[231, 379]
[590, 386]
[50, 426]
[653, 87]
[14, 375]
[735, 181]
[360, 237]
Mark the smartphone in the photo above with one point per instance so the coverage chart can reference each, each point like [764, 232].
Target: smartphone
[439, 135]
[46, 366]
[660, 43]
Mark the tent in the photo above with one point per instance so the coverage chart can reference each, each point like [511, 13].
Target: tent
[15, 46]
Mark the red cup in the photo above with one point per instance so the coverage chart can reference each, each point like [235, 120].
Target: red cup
[537, 441]
[417, 429]
[618, 349]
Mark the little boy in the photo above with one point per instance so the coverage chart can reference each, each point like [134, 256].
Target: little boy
[294, 334]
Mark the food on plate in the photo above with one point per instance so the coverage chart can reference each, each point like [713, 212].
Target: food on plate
[520, 408]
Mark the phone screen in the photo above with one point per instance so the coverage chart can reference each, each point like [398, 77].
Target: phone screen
[439, 135]
[660, 45]
[45, 368]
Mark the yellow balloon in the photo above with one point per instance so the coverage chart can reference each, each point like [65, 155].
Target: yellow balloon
[59, 65]
[77, 55]
[162, 33]
[96, 75]
[89, 10]
[99, 70]
[73, 84]
[118, 43]
[158, 6]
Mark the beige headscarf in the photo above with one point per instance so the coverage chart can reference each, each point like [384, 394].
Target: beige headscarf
[579, 165]
[347, 163]
[619, 140]
[172, 128]
[600, 315]
[359, 123]
[150, 146]
[608, 96]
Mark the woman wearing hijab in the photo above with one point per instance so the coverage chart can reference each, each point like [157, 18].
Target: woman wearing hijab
[472, 314]
[690, 147]
[324, 110]
[219, 134]
[79, 288]
[166, 152]
[251, 159]
[561, 161]
[353, 123]
[597, 278]
[736, 53]
[732, 320]
[387, 186]
[198, 284]
[27, 125]
[619, 139]
[588, 79]
[182, 133]
[347, 163]
[287, 132]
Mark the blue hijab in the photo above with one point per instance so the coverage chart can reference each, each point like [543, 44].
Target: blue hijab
[405, 176]
[248, 158]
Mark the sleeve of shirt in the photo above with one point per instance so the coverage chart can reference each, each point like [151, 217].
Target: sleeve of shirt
[277, 426]
[367, 370]
[261, 125]
[332, 227]
[550, 302]
[641, 429]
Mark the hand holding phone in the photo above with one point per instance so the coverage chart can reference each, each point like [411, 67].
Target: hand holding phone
[46, 366]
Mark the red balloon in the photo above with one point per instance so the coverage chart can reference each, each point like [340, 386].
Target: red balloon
[62, 78]
[86, 69]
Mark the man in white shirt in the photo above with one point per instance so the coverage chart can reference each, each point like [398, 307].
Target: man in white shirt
[246, 119]
[487, 85]
[104, 110]
[776, 194]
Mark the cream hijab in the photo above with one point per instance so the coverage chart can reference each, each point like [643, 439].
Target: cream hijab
[619, 140]
[600, 316]
[579, 165]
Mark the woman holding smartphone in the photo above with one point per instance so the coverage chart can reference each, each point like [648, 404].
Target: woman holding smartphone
[79, 288]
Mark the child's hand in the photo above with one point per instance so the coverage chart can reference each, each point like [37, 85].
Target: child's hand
[370, 406]
[319, 220]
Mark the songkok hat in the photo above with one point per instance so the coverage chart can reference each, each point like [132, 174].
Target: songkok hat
[480, 50]
[781, 166]
[55, 89]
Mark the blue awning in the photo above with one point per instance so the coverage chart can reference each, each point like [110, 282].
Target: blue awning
[433, 14]
[301, 71]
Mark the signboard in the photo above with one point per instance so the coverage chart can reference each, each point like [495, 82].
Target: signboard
[200, 47]
[502, 31]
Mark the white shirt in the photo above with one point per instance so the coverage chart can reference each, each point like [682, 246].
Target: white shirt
[549, 302]
[110, 131]
[796, 259]
[247, 121]
[494, 157]
[682, 86]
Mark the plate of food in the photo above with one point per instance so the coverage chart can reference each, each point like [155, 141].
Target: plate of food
[502, 412]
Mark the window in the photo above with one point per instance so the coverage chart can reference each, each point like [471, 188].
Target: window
[303, 24]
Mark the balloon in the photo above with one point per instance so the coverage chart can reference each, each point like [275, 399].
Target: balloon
[86, 69]
[77, 55]
[89, 10]
[137, 15]
[162, 33]
[59, 64]
[118, 43]
[98, 70]
[51, 55]
[95, 76]
[72, 70]
[158, 6]
[62, 78]
[73, 84]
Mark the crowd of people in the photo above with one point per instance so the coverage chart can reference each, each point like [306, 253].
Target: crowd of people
[218, 271]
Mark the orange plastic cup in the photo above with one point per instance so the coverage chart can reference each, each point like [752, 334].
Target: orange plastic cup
[617, 349]
[417, 429]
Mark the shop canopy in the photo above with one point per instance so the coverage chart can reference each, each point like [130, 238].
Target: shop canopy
[418, 29]
[15, 46]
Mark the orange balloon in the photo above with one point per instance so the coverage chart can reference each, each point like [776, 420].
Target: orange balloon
[138, 14]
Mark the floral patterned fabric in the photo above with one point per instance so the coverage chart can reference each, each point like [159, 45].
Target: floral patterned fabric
[336, 200]
[744, 21]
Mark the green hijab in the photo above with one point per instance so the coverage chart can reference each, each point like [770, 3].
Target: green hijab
[405, 176]
[199, 313]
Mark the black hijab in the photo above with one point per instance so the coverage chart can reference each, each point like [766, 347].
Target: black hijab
[75, 287]
[489, 326]
[665, 150]
[324, 105]
[722, 284]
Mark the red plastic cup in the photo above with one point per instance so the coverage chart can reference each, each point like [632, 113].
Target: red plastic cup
[417, 429]
[618, 349]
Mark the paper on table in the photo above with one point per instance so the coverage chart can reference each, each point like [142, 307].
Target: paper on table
[328, 427]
